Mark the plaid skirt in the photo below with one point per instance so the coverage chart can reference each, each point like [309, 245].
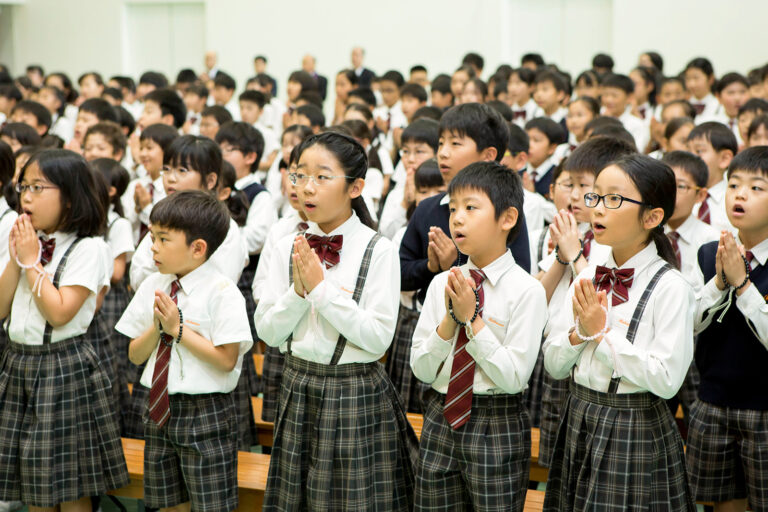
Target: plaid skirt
[133, 426]
[99, 335]
[247, 434]
[532, 394]
[342, 441]
[617, 452]
[271, 375]
[398, 365]
[59, 438]
[115, 304]
[554, 393]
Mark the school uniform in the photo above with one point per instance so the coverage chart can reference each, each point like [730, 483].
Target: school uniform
[194, 119]
[374, 184]
[335, 396]
[557, 116]
[645, 110]
[395, 119]
[273, 182]
[538, 210]
[192, 454]
[140, 220]
[618, 445]
[271, 138]
[720, 116]
[523, 114]
[542, 175]
[135, 109]
[637, 127]
[704, 107]
[393, 215]
[7, 220]
[62, 127]
[54, 394]
[479, 463]
[272, 114]
[714, 212]
[727, 435]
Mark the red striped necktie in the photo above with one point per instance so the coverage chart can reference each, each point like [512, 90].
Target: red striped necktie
[674, 237]
[616, 281]
[159, 406]
[704, 215]
[458, 400]
[588, 237]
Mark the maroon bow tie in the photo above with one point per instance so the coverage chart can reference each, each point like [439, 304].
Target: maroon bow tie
[607, 279]
[326, 247]
[302, 226]
[518, 114]
[47, 250]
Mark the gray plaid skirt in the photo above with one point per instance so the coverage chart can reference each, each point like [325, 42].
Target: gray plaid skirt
[342, 441]
[554, 393]
[533, 393]
[272, 374]
[247, 434]
[59, 437]
[99, 336]
[398, 363]
[617, 452]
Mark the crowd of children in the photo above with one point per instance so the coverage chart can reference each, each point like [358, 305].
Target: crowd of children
[579, 255]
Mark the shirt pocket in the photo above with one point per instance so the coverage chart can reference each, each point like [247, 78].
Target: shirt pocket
[201, 325]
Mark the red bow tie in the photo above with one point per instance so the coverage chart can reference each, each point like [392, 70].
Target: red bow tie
[519, 114]
[47, 250]
[618, 281]
[326, 247]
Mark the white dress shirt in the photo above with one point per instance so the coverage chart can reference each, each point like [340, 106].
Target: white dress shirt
[662, 352]
[710, 107]
[261, 216]
[751, 303]
[86, 267]
[229, 259]
[693, 234]
[537, 210]
[505, 349]
[7, 221]
[717, 214]
[638, 128]
[119, 235]
[317, 320]
[407, 299]
[129, 205]
[62, 127]
[286, 225]
[214, 308]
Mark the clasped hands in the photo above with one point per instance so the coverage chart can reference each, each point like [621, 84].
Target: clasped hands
[589, 311]
[307, 267]
[729, 260]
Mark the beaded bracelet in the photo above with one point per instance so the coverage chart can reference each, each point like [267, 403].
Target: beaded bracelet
[746, 276]
[557, 254]
[474, 317]
[181, 325]
[597, 335]
[39, 256]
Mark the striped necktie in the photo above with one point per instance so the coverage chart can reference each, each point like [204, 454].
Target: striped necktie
[704, 215]
[159, 406]
[588, 237]
[458, 400]
[674, 238]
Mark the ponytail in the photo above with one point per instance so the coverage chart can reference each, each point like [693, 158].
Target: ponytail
[361, 210]
[237, 204]
[663, 246]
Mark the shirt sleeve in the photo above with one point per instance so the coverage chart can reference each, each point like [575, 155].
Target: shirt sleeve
[261, 217]
[142, 264]
[559, 355]
[86, 266]
[414, 273]
[121, 238]
[138, 316]
[230, 318]
[755, 309]
[428, 350]
[231, 256]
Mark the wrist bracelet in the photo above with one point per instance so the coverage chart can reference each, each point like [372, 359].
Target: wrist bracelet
[594, 336]
[474, 317]
[746, 276]
[181, 325]
[557, 254]
[39, 256]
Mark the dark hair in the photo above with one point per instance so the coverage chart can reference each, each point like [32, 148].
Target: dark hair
[600, 121]
[675, 124]
[96, 77]
[170, 103]
[69, 91]
[81, 210]
[125, 82]
[393, 76]
[616, 81]
[441, 83]
[307, 81]
[591, 103]
[7, 170]
[502, 108]
[757, 122]
[42, 115]
[614, 131]
[313, 113]
[51, 141]
[11, 92]
[125, 119]
[35, 68]
[518, 140]
[502, 186]
[525, 75]
[102, 194]
[111, 132]
[154, 78]
[260, 57]
[199, 215]
[719, 135]
[221, 114]
[473, 59]
[224, 80]
[754, 159]
[702, 64]
[186, 76]
[161, 134]
[602, 60]
[196, 153]
[553, 77]
[657, 186]
[481, 86]
[534, 58]
[237, 202]
[100, 108]
[690, 164]
[422, 130]
[197, 89]
[428, 112]
[361, 109]
[352, 158]
[116, 176]
[596, 153]
[649, 77]
[243, 137]
[418, 67]
[360, 131]
[365, 94]
[480, 123]
[252, 96]
[428, 175]
[350, 76]
[310, 98]
[113, 92]
[754, 105]
[21, 132]
[415, 91]
[656, 60]
[589, 77]
[730, 79]
[302, 131]
[689, 110]
[552, 131]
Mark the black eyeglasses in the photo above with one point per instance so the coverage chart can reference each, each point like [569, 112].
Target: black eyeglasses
[611, 201]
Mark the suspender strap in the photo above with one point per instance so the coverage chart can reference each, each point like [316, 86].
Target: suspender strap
[638, 314]
[56, 278]
[540, 246]
[6, 212]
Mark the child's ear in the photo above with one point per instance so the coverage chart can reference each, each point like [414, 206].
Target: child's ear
[489, 154]
[118, 155]
[167, 119]
[701, 195]
[355, 189]
[653, 218]
[251, 157]
[508, 218]
[210, 181]
[224, 193]
[520, 161]
[199, 248]
[112, 191]
[724, 158]
[551, 149]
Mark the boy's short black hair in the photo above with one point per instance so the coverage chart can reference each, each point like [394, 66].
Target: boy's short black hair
[685, 104]
[198, 89]
[113, 92]
[221, 114]
[755, 106]
[154, 78]
[422, 130]
[600, 121]
[702, 64]
[393, 76]
[197, 153]
[52, 141]
[11, 92]
[100, 108]
[480, 123]
[526, 75]
[441, 83]
[37, 68]
[533, 58]
[754, 159]
[728, 79]
[365, 94]
[170, 103]
[244, 137]
[428, 112]
[186, 76]
[125, 82]
[473, 59]
[224, 80]
[602, 60]
[428, 175]
[552, 131]
[594, 154]
[618, 81]
[675, 124]
[252, 96]
[414, 91]
[111, 132]
[502, 108]
[199, 215]
[691, 164]
[553, 77]
[313, 113]
[311, 98]
[21, 132]
[125, 119]
[615, 132]
[41, 113]
[307, 81]
[260, 57]
[161, 134]
[518, 140]
[757, 122]
[418, 67]
[503, 187]
[719, 135]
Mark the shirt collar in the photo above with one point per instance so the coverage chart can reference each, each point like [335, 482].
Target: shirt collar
[445, 199]
[543, 168]
[760, 251]
[718, 191]
[243, 182]
[497, 268]
[347, 228]
[639, 261]
[62, 239]
[194, 278]
[687, 228]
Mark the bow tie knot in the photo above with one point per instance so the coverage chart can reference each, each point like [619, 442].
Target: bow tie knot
[327, 248]
[46, 251]
[615, 280]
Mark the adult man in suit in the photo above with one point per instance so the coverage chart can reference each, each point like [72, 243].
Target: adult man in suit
[364, 75]
[308, 65]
